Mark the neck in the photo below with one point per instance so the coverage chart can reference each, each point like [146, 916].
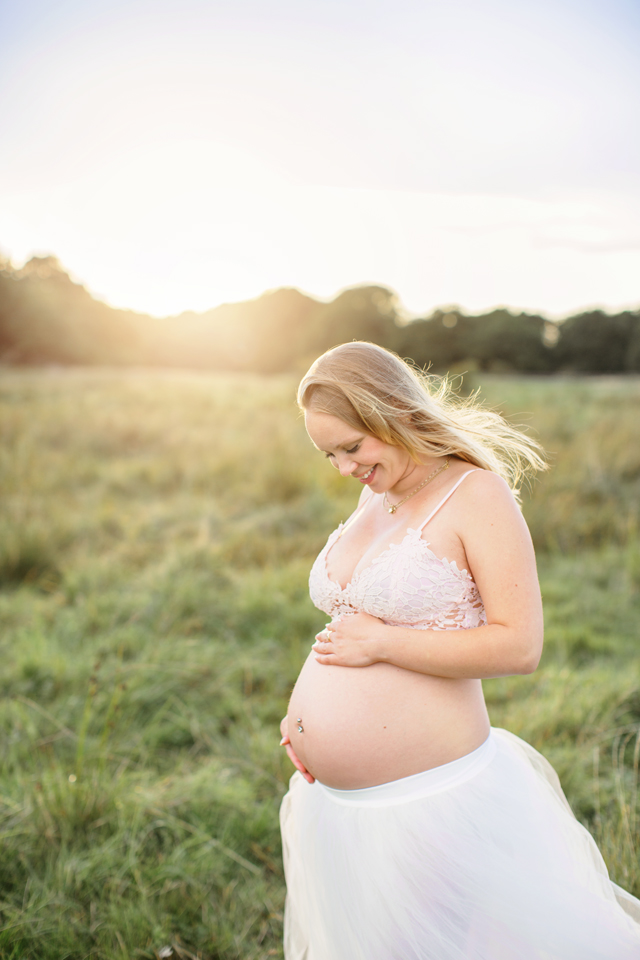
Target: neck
[392, 507]
[415, 474]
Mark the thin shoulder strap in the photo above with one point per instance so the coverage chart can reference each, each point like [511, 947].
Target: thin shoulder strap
[359, 510]
[446, 497]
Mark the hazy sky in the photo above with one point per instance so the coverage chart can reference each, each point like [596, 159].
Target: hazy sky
[476, 152]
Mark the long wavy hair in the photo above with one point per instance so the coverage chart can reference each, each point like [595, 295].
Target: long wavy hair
[374, 390]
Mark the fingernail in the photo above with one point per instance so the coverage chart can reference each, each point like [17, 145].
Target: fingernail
[282, 742]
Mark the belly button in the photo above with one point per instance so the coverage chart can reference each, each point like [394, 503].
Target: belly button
[300, 727]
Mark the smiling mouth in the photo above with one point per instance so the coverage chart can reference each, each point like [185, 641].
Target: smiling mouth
[365, 476]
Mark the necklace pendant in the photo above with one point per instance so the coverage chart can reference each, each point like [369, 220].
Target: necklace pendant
[392, 509]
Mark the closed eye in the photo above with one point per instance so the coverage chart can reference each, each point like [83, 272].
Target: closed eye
[353, 450]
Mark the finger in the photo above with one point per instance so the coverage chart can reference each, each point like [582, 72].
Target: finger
[294, 760]
[328, 658]
[327, 653]
[284, 740]
[299, 765]
[324, 648]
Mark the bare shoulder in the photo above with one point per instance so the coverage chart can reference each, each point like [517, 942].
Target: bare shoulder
[486, 486]
[486, 501]
[487, 509]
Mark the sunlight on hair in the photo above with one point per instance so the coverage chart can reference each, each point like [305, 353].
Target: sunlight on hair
[371, 388]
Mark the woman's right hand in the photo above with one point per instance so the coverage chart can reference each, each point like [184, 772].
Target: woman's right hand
[286, 743]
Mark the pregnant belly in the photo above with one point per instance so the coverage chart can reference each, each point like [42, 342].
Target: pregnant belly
[370, 725]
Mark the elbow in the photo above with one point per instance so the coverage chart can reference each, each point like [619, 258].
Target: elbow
[530, 657]
[529, 665]
[518, 648]
[520, 652]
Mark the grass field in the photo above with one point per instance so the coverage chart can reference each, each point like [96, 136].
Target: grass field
[155, 539]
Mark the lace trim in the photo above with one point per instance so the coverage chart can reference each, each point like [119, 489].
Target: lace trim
[406, 584]
[453, 566]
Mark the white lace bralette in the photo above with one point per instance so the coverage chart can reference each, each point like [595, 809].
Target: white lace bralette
[405, 585]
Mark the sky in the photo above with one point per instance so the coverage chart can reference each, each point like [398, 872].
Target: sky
[462, 152]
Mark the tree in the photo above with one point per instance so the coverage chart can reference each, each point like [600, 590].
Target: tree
[596, 342]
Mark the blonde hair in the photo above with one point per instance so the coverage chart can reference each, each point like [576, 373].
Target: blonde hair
[372, 389]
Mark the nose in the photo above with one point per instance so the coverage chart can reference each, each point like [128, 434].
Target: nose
[346, 466]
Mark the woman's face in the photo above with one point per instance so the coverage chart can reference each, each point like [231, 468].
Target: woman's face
[358, 454]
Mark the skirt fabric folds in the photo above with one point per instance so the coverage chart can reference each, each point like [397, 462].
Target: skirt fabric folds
[479, 859]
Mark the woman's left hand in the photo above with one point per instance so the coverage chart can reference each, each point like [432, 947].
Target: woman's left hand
[349, 641]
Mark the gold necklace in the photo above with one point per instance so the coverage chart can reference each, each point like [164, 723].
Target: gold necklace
[392, 507]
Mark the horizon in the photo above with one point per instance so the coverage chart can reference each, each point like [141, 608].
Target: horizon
[401, 311]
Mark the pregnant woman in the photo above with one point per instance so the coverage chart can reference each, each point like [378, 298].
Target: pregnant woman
[412, 830]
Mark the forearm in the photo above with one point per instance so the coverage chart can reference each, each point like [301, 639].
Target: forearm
[494, 650]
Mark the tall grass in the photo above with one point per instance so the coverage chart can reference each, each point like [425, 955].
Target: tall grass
[589, 428]
[156, 534]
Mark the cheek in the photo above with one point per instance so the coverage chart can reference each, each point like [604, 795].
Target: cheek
[376, 455]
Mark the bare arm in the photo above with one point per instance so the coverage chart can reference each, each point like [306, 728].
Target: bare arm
[501, 559]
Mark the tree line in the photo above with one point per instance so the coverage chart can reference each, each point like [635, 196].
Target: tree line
[46, 318]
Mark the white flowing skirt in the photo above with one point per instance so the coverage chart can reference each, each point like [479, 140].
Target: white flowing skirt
[479, 859]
